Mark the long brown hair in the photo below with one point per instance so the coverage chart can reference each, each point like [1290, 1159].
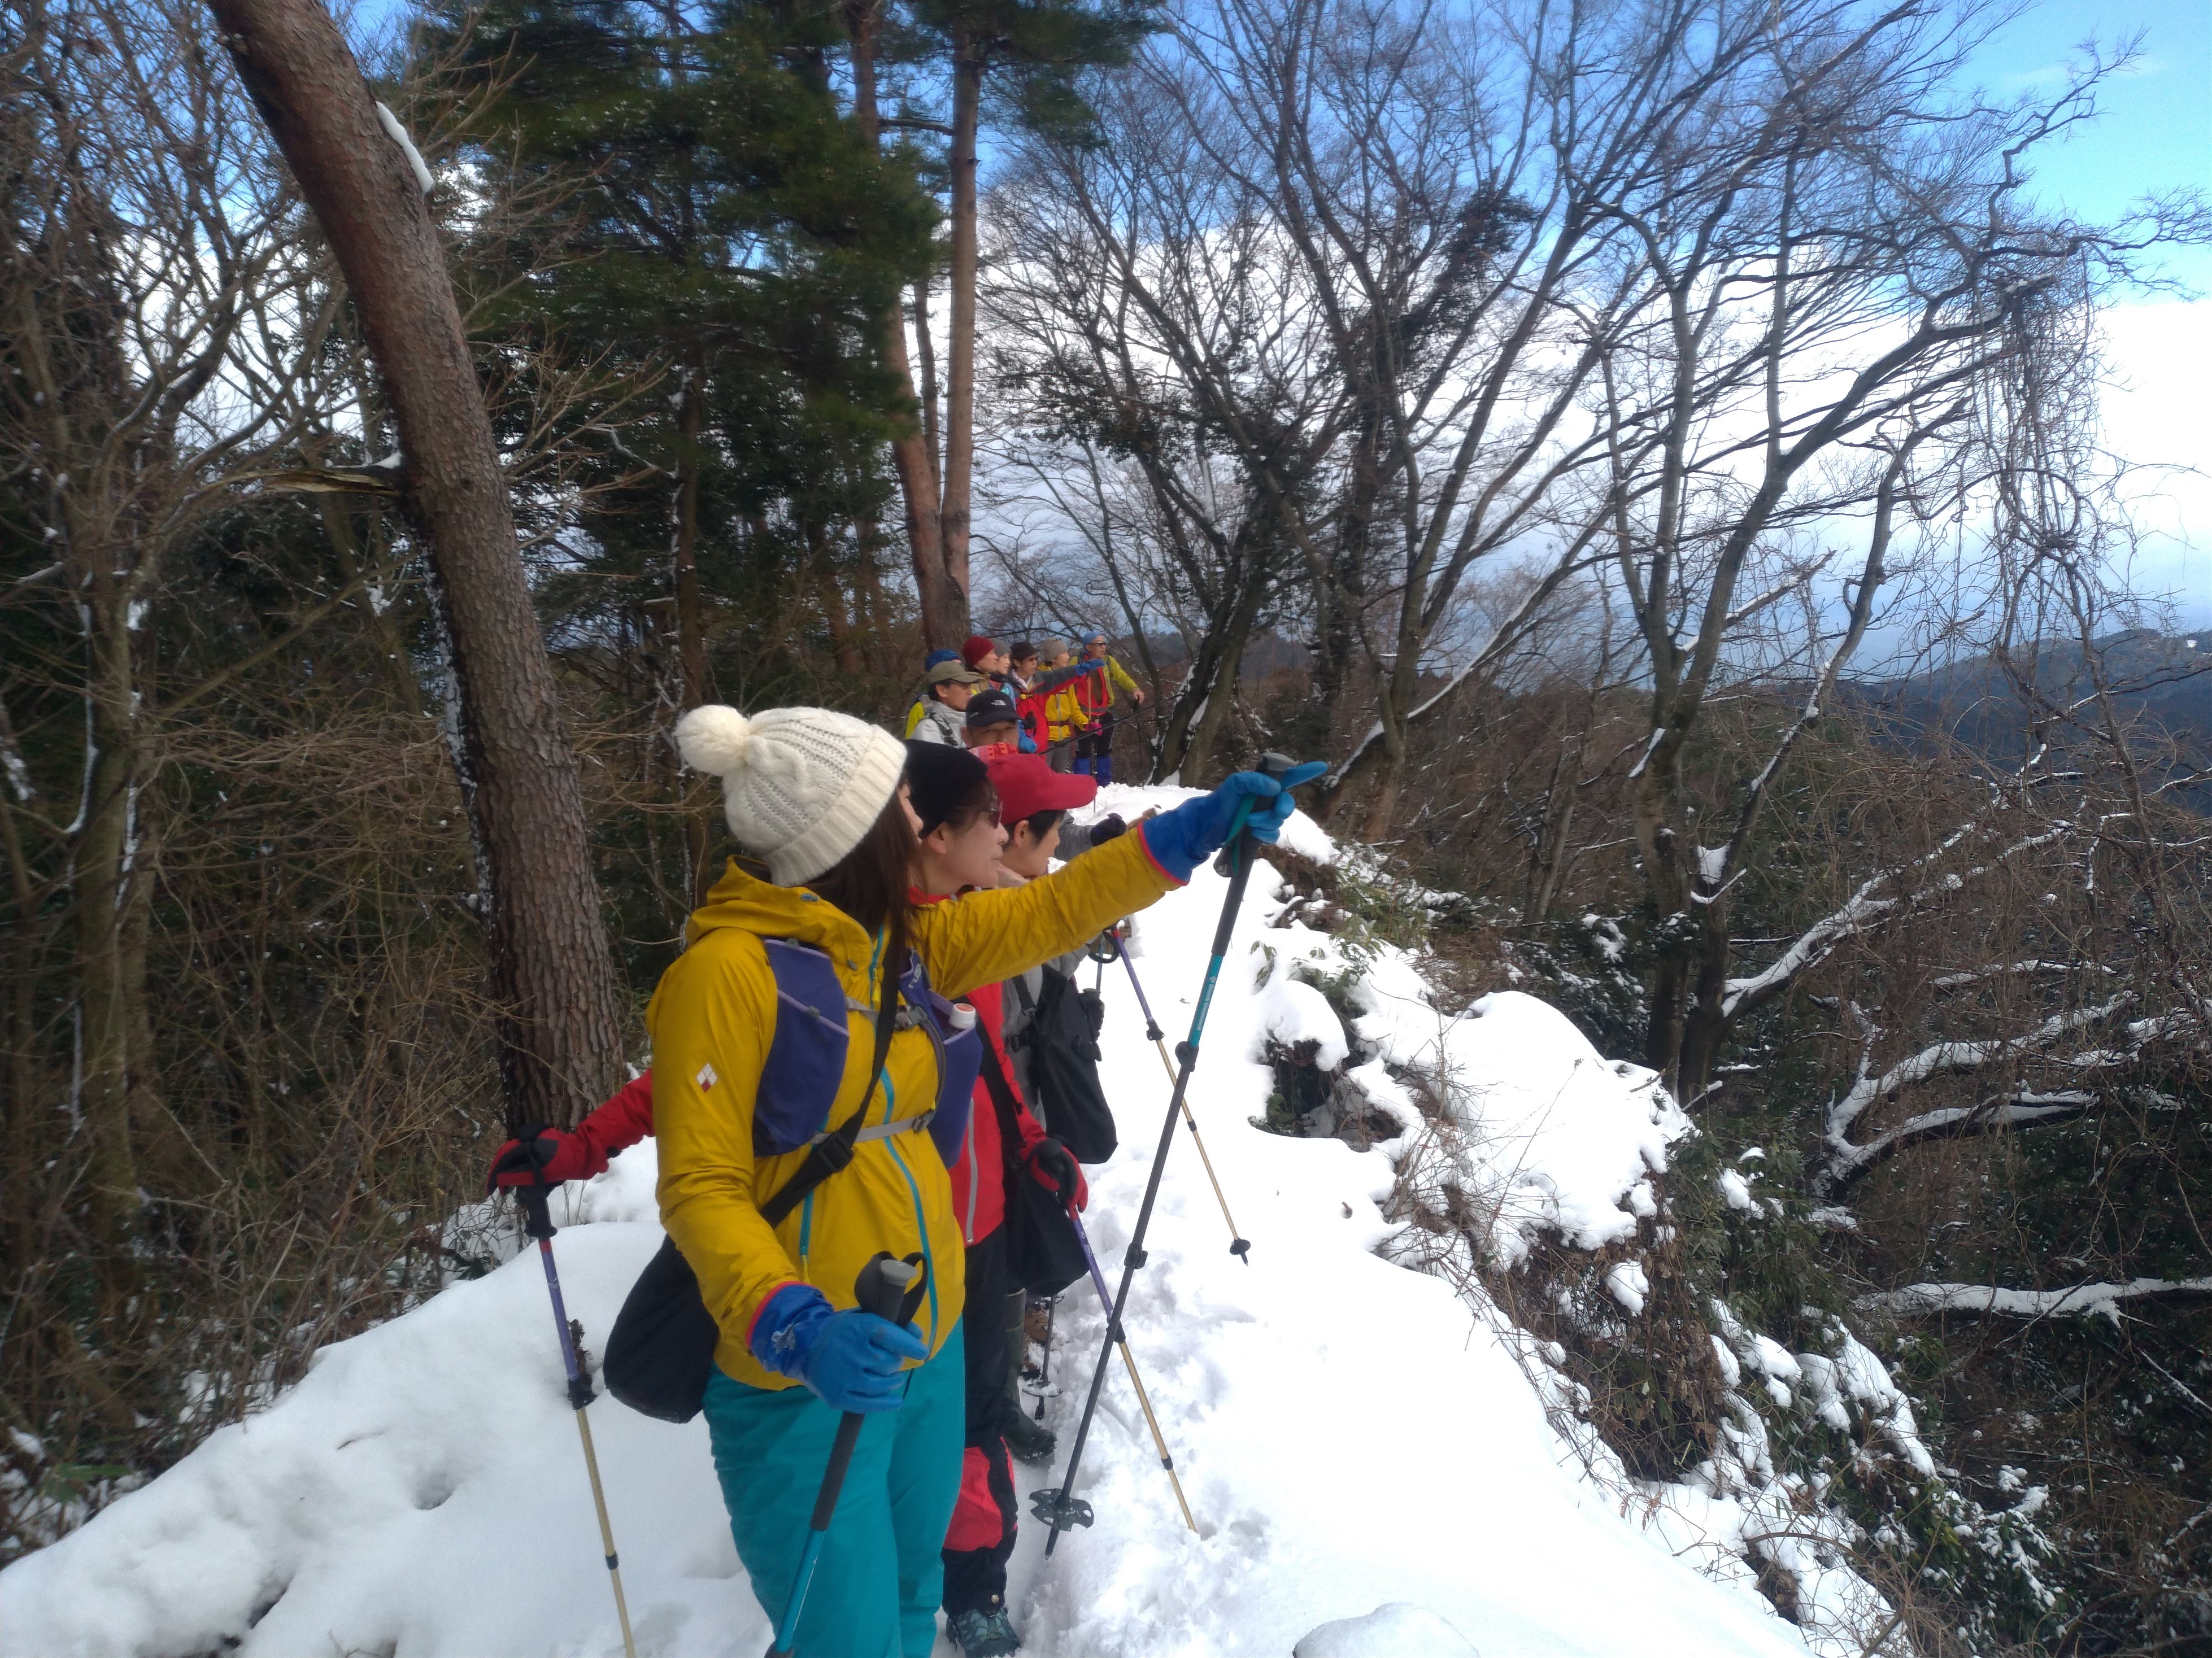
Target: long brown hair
[869, 883]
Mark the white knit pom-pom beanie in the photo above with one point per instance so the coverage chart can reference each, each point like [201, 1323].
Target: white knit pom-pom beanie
[800, 786]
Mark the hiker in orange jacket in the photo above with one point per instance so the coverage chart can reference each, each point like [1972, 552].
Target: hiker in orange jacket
[1094, 696]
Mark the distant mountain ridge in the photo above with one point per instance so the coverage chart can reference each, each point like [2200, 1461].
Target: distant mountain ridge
[2161, 686]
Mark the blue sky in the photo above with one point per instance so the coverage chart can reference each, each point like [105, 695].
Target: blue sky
[2154, 129]
[2154, 132]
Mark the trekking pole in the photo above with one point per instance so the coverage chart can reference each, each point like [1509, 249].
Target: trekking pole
[1239, 1246]
[1044, 1364]
[882, 1289]
[1121, 1340]
[1062, 1510]
[537, 1206]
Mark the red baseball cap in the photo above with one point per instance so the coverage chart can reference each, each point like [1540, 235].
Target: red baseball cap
[1027, 785]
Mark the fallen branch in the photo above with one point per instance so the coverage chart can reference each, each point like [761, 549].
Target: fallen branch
[2024, 1109]
[2078, 1300]
[1942, 1058]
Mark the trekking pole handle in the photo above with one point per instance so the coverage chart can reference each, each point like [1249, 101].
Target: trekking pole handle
[1233, 850]
[885, 1283]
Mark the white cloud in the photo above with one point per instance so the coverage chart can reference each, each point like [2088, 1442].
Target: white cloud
[2159, 382]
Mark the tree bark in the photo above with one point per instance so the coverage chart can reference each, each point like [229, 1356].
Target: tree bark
[944, 604]
[1186, 745]
[821, 572]
[690, 622]
[101, 856]
[930, 437]
[552, 971]
[960, 364]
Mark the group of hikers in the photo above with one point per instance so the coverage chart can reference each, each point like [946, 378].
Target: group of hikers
[846, 1067]
[1045, 699]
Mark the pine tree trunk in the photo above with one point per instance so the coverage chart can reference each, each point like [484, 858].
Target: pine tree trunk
[690, 622]
[960, 368]
[552, 971]
[943, 605]
[822, 572]
[869, 610]
[931, 438]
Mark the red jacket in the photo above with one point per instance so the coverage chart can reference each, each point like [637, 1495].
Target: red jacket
[621, 1122]
[979, 1178]
[979, 1174]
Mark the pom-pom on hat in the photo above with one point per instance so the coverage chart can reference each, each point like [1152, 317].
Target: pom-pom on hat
[800, 786]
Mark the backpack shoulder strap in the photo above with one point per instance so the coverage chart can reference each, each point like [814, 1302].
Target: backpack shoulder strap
[831, 1152]
[1004, 1103]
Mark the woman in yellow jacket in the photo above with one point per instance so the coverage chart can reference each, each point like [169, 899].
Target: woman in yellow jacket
[817, 797]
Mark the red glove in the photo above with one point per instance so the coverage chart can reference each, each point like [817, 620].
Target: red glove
[1052, 1166]
[561, 1154]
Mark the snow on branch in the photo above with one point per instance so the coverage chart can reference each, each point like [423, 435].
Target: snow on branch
[399, 135]
[12, 761]
[1940, 1059]
[2079, 1300]
[2025, 969]
[1873, 905]
[2024, 1109]
[1843, 1160]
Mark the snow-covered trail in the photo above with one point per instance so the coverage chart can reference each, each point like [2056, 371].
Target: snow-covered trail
[1348, 1432]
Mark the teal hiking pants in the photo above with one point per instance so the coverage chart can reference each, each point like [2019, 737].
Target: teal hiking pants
[876, 1590]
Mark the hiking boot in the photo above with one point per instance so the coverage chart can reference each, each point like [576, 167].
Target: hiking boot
[984, 1634]
[1029, 1442]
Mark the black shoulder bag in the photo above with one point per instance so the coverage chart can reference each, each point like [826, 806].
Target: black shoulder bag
[661, 1350]
[1061, 1040]
[1044, 1254]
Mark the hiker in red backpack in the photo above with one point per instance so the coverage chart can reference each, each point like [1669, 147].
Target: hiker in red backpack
[1094, 696]
[1038, 691]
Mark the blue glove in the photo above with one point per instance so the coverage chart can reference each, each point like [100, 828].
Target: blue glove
[1180, 840]
[850, 1360]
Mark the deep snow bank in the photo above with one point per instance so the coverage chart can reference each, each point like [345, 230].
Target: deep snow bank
[1350, 1434]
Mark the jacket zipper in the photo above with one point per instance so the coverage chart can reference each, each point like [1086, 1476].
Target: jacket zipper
[975, 1174]
[912, 1189]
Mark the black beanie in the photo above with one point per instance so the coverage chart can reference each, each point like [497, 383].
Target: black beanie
[941, 779]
